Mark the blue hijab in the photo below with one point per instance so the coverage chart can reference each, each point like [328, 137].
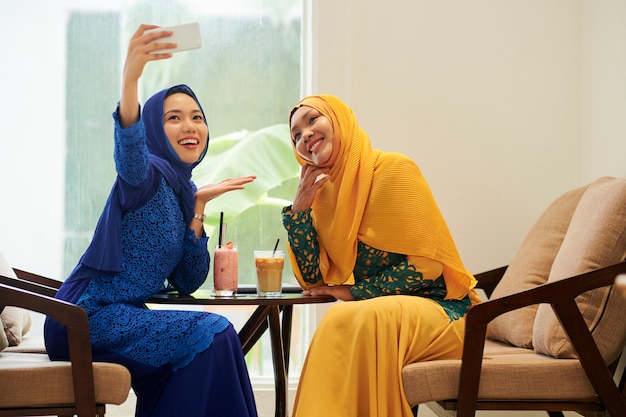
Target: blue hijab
[105, 251]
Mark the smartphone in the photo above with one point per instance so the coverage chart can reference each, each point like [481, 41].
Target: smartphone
[186, 36]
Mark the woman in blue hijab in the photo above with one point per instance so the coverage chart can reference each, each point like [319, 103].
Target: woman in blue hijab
[183, 363]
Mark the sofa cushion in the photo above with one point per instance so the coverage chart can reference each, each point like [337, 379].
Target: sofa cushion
[16, 322]
[596, 238]
[531, 266]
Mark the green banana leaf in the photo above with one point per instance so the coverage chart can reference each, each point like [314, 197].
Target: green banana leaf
[252, 215]
[266, 153]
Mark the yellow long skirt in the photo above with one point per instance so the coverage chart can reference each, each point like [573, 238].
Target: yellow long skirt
[354, 364]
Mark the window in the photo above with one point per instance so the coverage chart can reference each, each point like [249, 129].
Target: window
[67, 74]
[247, 77]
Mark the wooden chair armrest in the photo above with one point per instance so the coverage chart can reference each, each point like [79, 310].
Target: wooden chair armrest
[488, 280]
[32, 282]
[561, 296]
[39, 279]
[74, 318]
[550, 293]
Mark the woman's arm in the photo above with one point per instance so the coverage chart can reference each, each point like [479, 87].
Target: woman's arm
[378, 272]
[131, 154]
[192, 270]
[400, 279]
[303, 242]
[137, 57]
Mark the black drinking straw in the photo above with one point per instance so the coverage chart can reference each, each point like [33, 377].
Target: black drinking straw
[275, 247]
[219, 237]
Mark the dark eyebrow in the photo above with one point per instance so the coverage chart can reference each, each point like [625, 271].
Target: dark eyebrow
[180, 111]
[172, 111]
[303, 117]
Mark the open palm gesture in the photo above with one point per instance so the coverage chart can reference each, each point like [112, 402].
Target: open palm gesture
[209, 191]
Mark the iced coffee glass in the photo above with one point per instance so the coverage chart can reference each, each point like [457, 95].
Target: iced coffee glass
[269, 272]
[225, 270]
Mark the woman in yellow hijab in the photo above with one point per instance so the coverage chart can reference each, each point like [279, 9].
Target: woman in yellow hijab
[364, 227]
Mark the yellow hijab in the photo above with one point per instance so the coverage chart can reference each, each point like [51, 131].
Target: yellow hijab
[378, 198]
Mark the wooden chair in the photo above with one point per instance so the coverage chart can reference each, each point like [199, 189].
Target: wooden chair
[32, 385]
[551, 335]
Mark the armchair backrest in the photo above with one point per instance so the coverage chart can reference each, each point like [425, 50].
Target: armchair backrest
[531, 267]
[596, 238]
[582, 230]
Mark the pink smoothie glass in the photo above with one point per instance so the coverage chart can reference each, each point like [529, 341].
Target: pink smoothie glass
[225, 270]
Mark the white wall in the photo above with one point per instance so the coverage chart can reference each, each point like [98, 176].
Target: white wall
[604, 88]
[504, 104]
[32, 151]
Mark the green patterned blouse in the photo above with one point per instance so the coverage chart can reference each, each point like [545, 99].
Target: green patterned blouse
[376, 272]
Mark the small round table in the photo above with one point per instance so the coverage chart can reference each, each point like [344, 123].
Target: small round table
[266, 315]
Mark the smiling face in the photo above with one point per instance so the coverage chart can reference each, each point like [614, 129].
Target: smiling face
[185, 127]
[312, 135]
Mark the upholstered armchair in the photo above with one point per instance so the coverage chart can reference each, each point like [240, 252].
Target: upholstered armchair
[552, 333]
[33, 385]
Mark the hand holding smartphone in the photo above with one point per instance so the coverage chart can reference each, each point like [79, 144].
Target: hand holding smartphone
[186, 36]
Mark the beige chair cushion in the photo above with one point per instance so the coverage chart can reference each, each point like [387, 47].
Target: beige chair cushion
[520, 374]
[596, 238]
[4, 342]
[37, 381]
[531, 267]
[16, 322]
[30, 344]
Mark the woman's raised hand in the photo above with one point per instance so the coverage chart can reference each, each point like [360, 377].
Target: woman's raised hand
[140, 50]
[210, 191]
[138, 55]
[311, 179]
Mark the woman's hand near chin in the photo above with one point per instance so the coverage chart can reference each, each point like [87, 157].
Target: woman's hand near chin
[311, 179]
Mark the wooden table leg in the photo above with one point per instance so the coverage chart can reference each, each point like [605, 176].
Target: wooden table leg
[286, 334]
[265, 317]
[278, 357]
[254, 328]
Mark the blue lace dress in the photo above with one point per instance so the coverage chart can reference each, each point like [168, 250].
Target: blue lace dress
[182, 362]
